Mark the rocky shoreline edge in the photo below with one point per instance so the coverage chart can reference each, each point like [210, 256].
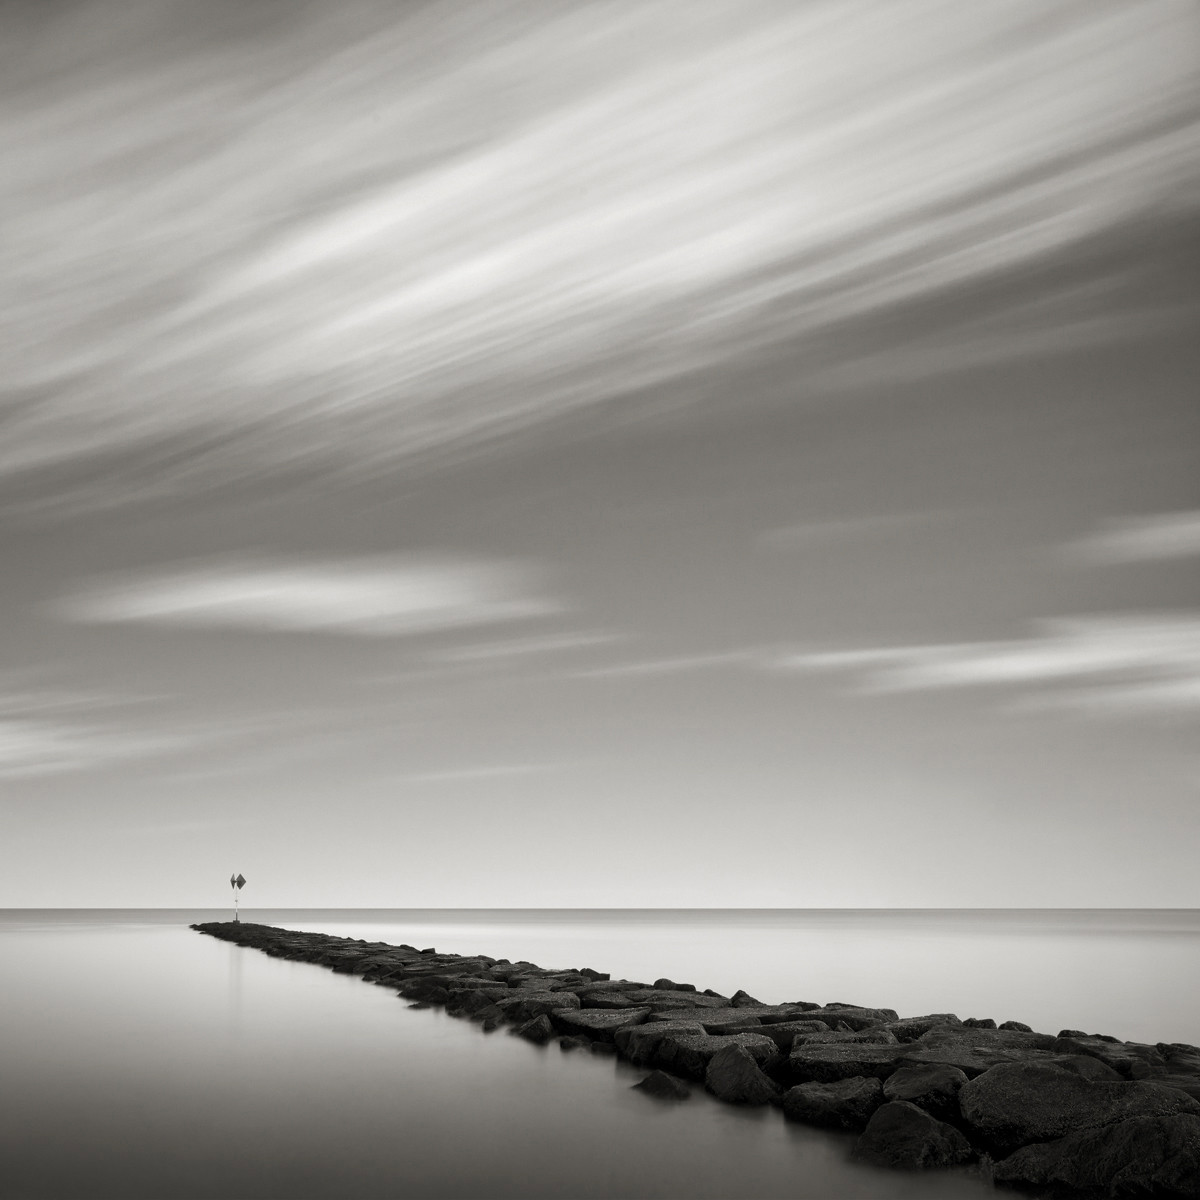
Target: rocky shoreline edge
[1071, 1113]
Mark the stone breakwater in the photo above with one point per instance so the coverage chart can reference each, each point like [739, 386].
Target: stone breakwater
[1068, 1112]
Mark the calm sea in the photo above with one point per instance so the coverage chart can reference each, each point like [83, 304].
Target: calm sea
[141, 1060]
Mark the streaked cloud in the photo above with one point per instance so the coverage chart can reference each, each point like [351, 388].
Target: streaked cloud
[368, 232]
[1159, 536]
[384, 597]
[670, 665]
[486, 773]
[49, 731]
[526, 647]
[1117, 663]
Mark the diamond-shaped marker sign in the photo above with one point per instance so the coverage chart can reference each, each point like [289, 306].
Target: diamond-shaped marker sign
[240, 881]
[233, 881]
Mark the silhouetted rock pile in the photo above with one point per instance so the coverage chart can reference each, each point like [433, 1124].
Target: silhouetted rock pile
[1073, 1113]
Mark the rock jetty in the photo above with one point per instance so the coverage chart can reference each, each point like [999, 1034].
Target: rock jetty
[1065, 1114]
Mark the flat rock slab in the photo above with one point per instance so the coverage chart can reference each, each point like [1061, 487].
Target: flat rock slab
[597, 1023]
[831, 1061]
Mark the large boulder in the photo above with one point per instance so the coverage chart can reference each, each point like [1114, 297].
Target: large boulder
[831, 1037]
[536, 1029]
[1018, 1103]
[784, 1033]
[597, 1023]
[931, 1086]
[733, 1075]
[831, 1061]
[900, 1134]
[1143, 1155]
[689, 1054]
[852, 1015]
[640, 1043]
[846, 1104]
[522, 1004]
[908, 1029]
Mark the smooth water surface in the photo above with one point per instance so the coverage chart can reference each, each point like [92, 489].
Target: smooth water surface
[143, 1060]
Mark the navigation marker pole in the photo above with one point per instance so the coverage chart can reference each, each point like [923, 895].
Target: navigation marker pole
[237, 882]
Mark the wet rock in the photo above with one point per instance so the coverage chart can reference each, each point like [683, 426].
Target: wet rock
[1157, 1155]
[733, 1075]
[932, 1086]
[597, 1023]
[662, 1086]
[846, 1104]
[900, 1134]
[1012, 1105]
[536, 1029]
[603, 1048]
[573, 1043]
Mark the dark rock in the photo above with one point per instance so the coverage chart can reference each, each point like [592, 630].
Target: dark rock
[640, 1043]
[427, 950]
[840, 1060]
[1085, 1065]
[853, 1016]
[733, 1075]
[662, 1086]
[595, 1022]
[1157, 1155]
[1012, 1105]
[491, 1023]
[536, 1029]
[603, 1048]
[1131, 1060]
[573, 1043]
[689, 1054]
[933, 1087]
[846, 1104]
[863, 1037]
[900, 1134]
[588, 973]
[606, 1000]
[1019, 1026]
[980, 1023]
[910, 1028]
[784, 1033]
[741, 999]
[1071, 1033]
[525, 1004]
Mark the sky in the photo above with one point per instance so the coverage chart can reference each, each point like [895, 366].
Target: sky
[605, 455]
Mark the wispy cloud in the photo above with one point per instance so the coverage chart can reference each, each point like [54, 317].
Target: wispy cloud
[671, 665]
[1117, 663]
[383, 597]
[48, 731]
[441, 226]
[1158, 536]
[526, 647]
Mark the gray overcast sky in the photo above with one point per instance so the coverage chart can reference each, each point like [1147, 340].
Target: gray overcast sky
[607, 454]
